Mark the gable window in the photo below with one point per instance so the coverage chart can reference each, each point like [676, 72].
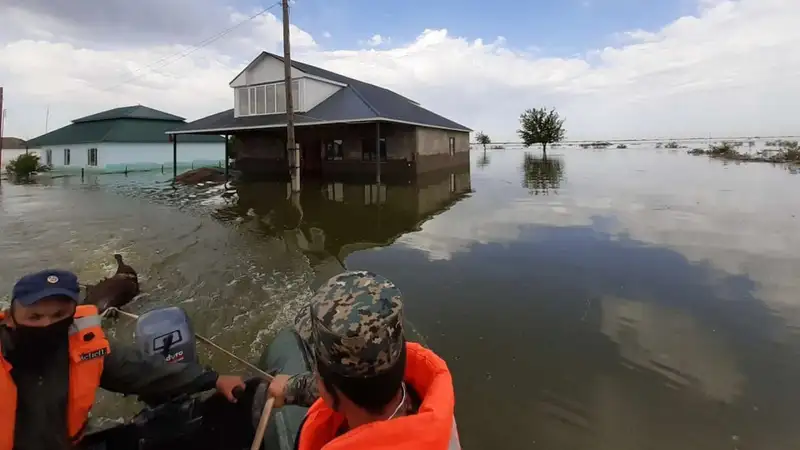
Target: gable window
[452, 146]
[334, 150]
[261, 99]
[91, 157]
[368, 150]
[67, 157]
[265, 98]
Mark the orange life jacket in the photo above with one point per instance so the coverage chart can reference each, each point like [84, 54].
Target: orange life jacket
[432, 428]
[88, 347]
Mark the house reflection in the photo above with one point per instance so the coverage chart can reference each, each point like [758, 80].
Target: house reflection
[330, 219]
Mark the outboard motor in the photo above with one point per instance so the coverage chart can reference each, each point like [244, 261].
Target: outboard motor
[167, 332]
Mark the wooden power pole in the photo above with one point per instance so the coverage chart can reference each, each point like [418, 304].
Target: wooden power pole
[291, 146]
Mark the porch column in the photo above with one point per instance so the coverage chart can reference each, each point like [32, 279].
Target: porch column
[227, 156]
[174, 158]
[295, 157]
[378, 153]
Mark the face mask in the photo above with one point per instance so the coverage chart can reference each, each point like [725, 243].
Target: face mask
[37, 343]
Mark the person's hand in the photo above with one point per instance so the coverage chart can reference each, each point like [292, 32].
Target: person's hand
[277, 389]
[226, 385]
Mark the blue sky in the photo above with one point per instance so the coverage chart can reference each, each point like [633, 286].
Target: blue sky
[556, 28]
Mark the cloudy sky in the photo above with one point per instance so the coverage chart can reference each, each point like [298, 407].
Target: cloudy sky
[613, 68]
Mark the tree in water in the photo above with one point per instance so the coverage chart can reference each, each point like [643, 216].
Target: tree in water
[540, 126]
[541, 175]
[483, 139]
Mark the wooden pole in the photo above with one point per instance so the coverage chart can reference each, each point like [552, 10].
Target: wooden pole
[227, 157]
[378, 153]
[174, 157]
[287, 81]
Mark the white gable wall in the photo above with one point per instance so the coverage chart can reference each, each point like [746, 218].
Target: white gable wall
[268, 70]
[315, 91]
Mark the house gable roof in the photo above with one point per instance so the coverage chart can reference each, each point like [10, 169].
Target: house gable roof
[358, 101]
[131, 112]
[130, 124]
[10, 143]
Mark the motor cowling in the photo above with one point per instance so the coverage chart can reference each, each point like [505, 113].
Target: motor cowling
[167, 332]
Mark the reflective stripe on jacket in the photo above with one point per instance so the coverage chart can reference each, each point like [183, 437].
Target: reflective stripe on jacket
[88, 347]
[432, 428]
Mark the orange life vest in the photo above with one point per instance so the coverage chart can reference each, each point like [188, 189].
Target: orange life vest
[88, 347]
[432, 428]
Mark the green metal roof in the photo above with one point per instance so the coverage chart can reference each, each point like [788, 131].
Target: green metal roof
[132, 124]
[131, 112]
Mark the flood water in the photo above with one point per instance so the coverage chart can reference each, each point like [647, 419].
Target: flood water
[601, 299]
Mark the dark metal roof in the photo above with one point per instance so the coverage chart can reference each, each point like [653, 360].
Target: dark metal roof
[357, 102]
[134, 124]
[131, 112]
[12, 143]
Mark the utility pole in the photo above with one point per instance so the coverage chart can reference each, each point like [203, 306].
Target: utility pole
[291, 146]
[2, 121]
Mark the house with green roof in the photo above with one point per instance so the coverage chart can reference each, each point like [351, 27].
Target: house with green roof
[342, 125]
[125, 139]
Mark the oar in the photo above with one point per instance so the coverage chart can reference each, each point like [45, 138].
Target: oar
[265, 413]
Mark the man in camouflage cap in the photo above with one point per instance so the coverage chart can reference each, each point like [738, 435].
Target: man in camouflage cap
[365, 371]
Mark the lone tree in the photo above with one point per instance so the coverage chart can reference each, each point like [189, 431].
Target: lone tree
[540, 126]
[483, 139]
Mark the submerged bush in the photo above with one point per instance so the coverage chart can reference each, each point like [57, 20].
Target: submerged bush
[672, 144]
[622, 146]
[723, 148]
[25, 165]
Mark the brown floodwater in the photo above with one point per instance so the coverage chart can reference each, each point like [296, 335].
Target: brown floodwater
[600, 299]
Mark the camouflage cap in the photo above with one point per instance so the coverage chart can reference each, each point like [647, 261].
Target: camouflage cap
[357, 324]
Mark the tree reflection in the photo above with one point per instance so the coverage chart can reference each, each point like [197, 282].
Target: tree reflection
[483, 160]
[542, 175]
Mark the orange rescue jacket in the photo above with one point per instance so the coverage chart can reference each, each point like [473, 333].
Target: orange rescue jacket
[88, 347]
[432, 428]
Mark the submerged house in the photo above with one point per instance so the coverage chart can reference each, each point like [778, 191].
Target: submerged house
[342, 125]
[11, 148]
[125, 139]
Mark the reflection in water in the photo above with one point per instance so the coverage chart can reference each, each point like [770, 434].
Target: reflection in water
[329, 220]
[542, 175]
[483, 160]
[672, 344]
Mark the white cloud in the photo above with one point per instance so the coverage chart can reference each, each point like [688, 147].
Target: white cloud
[731, 69]
[326, 34]
[375, 41]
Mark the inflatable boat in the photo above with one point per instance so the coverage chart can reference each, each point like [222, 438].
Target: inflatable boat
[205, 421]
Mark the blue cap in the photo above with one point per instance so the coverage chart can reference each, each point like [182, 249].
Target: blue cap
[47, 283]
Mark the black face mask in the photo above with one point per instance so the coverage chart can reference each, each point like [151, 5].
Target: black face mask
[34, 344]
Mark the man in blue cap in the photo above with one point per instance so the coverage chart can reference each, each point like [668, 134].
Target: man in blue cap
[54, 356]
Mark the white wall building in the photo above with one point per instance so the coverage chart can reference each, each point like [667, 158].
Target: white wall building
[124, 140]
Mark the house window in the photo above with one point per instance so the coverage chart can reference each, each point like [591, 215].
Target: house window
[244, 103]
[261, 99]
[368, 149]
[452, 146]
[271, 99]
[280, 97]
[91, 157]
[266, 98]
[67, 157]
[334, 150]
